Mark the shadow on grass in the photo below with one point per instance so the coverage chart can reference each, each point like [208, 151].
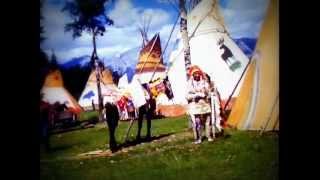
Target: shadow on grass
[59, 148]
[54, 149]
[74, 127]
[142, 140]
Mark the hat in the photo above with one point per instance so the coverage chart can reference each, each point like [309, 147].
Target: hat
[194, 69]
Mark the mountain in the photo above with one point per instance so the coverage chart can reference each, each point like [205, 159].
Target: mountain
[247, 45]
[81, 61]
[125, 60]
[123, 63]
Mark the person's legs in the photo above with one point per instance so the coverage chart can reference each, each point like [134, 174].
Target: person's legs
[208, 126]
[140, 119]
[197, 129]
[44, 130]
[149, 117]
[112, 139]
[193, 124]
[46, 136]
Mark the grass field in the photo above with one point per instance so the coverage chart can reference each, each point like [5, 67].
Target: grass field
[238, 155]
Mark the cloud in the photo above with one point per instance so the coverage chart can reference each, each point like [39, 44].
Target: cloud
[166, 30]
[124, 35]
[65, 55]
[243, 18]
[116, 35]
[123, 14]
[158, 16]
[247, 4]
[56, 38]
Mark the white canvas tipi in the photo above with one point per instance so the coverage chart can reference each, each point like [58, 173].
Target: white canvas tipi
[89, 97]
[206, 29]
[123, 81]
[53, 91]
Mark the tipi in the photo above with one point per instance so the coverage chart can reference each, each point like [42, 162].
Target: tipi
[257, 106]
[150, 64]
[89, 97]
[208, 38]
[54, 91]
[123, 81]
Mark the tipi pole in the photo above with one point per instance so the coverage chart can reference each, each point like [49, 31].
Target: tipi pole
[269, 118]
[128, 130]
[184, 35]
[165, 48]
[154, 42]
[234, 89]
[97, 69]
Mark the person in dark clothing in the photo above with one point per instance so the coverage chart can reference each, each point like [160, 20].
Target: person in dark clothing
[146, 110]
[44, 124]
[112, 118]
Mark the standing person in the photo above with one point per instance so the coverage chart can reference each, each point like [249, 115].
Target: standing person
[44, 123]
[148, 111]
[112, 117]
[199, 107]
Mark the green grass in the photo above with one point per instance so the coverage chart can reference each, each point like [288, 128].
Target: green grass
[240, 155]
[88, 115]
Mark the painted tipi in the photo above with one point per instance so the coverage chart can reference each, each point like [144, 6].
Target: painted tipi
[211, 48]
[89, 97]
[53, 91]
[150, 65]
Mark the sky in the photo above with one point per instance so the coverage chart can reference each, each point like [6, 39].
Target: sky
[243, 18]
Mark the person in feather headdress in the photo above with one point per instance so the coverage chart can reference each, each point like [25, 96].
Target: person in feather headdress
[198, 91]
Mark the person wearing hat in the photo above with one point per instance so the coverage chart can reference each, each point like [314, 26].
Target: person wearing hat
[199, 108]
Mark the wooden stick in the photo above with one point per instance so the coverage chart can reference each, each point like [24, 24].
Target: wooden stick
[128, 130]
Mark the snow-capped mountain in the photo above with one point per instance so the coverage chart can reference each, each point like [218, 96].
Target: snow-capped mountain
[81, 61]
[126, 62]
[123, 63]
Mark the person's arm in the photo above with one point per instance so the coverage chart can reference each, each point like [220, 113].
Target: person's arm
[191, 94]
